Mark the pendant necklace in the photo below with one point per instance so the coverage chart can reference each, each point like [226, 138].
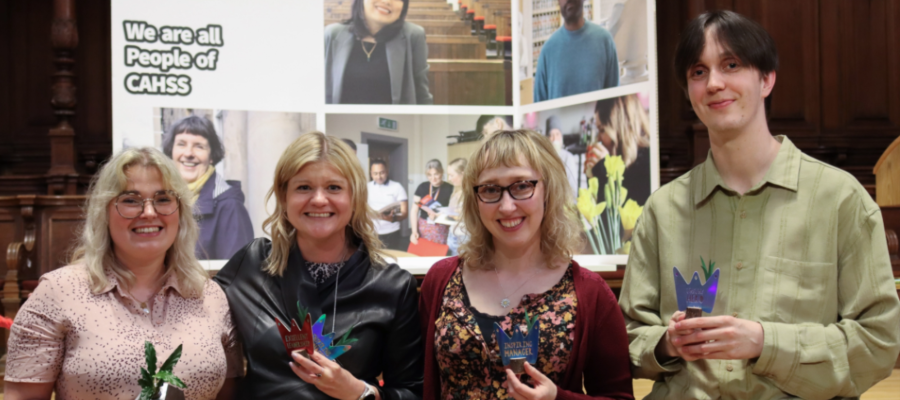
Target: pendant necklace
[337, 281]
[368, 52]
[505, 303]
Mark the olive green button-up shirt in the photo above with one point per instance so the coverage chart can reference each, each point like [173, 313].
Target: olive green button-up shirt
[803, 253]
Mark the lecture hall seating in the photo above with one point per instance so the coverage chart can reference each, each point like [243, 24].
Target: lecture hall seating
[464, 68]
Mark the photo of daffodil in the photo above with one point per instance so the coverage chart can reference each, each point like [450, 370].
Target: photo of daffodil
[606, 219]
[605, 147]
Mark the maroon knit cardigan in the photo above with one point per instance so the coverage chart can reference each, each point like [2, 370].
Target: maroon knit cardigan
[599, 359]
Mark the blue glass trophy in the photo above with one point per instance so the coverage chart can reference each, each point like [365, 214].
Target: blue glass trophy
[324, 343]
[518, 348]
[694, 298]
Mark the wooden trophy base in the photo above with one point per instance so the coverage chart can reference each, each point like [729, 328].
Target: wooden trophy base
[693, 312]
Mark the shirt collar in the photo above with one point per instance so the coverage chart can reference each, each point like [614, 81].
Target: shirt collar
[784, 172]
[113, 283]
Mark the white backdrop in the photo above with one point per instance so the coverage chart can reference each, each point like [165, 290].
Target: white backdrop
[272, 59]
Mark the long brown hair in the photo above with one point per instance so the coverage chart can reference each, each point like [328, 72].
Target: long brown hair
[624, 120]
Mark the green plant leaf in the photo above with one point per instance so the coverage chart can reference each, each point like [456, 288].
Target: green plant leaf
[146, 380]
[530, 321]
[172, 360]
[171, 379]
[150, 354]
[707, 272]
[147, 393]
[301, 312]
[345, 340]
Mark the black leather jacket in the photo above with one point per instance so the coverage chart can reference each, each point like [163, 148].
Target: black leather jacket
[379, 303]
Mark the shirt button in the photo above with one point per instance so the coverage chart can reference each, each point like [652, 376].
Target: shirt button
[743, 214]
[729, 368]
[739, 266]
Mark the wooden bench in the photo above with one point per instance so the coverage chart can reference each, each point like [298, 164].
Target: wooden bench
[470, 82]
[455, 47]
[503, 20]
[412, 2]
[432, 26]
[414, 5]
[495, 12]
[343, 13]
[486, 7]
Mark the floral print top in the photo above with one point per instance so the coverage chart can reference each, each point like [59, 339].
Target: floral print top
[469, 363]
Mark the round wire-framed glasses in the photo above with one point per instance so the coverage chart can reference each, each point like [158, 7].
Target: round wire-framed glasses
[131, 205]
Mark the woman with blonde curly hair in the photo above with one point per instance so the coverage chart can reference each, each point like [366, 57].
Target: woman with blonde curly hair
[133, 278]
[517, 266]
[324, 261]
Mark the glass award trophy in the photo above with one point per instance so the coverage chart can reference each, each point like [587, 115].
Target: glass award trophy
[297, 340]
[695, 298]
[518, 348]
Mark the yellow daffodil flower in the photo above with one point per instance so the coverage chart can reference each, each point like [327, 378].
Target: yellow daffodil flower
[630, 213]
[586, 204]
[615, 168]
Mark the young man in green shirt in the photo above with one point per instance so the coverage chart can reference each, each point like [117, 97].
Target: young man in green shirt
[805, 304]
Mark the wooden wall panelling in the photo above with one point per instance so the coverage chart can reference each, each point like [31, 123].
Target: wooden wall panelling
[794, 106]
[26, 114]
[860, 84]
[23, 130]
[5, 86]
[860, 54]
[675, 113]
[93, 71]
[11, 229]
[57, 219]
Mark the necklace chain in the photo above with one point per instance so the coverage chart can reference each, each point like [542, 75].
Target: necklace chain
[505, 303]
[368, 52]
[337, 282]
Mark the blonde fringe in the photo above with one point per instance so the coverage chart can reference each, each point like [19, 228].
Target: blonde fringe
[308, 148]
[95, 249]
[561, 235]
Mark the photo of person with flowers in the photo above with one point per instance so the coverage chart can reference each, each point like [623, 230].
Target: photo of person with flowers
[608, 144]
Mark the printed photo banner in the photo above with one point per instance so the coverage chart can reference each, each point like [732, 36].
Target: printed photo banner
[222, 87]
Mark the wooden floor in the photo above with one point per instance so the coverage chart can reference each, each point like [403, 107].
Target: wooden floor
[888, 389]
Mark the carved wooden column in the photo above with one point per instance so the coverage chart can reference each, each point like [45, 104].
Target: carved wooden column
[18, 255]
[62, 177]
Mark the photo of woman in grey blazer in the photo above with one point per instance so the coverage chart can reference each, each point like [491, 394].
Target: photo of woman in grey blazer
[376, 57]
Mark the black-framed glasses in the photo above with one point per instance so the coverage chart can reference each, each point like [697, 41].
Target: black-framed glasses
[131, 205]
[521, 190]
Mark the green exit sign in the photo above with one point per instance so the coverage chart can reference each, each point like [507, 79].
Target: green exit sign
[388, 124]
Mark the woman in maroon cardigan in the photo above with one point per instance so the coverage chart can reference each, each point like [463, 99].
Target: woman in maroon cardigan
[516, 267]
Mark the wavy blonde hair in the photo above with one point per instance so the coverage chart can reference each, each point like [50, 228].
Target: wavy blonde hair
[95, 248]
[308, 148]
[624, 120]
[561, 235]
